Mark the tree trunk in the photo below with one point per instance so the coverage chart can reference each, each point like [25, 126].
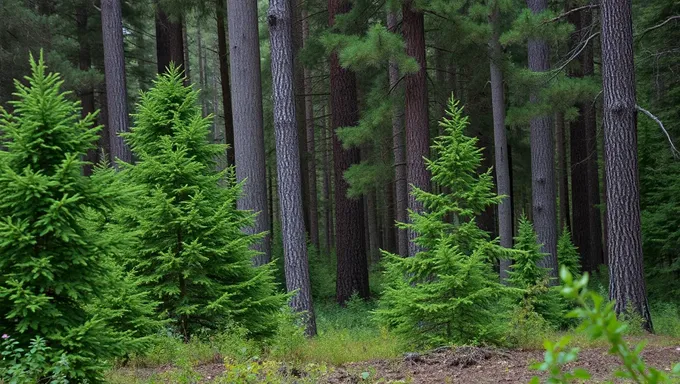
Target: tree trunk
[169, 41]
[224, 82]
[562, 171]
[244, 48]
[352, 269]
[114, 71]
[311, 144]
[279, 18]
[542, 156]
[400, 174]
[373, 235]
[327, 188]
[627, 281]
[500, 139]
[87, 93]
[590, 124]
[579, 158]
[185, 50]
[417, 128]
[201, 70]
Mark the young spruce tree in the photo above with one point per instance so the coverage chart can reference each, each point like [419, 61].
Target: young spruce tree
[449, 292]
[53, 266]
[193, 254]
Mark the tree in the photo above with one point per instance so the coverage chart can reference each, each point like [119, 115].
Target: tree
[169, 40]
[542, 155]
[280, 21]
[624, 242]
[114, 69]
[85, 64]
[416, 111]
[246, 99]
[352, 269]
[225, 82]
[192, 254]
[52, 265]
[500, 137]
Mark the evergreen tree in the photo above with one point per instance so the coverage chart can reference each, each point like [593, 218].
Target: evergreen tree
[53, 266]
[448, 292]
[567, 253]
[192, 254]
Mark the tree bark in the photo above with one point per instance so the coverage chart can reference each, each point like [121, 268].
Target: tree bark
[400, 174]
[579, 157]
[327, 188]
[279, 18]
[224, 82]
[562, 171]
[542, 156]
[503, 185]
[201, 69]
[87, 93]
[114, 72]
[352, 265]
[417, 128]
[185, 50]
[169, 41]
[373, 235]
[246, 101]
[311, 144]
[590, 124]
[624, 240]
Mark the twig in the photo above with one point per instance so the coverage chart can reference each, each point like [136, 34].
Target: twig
[657, 26]
[674, 150]
[565, 14]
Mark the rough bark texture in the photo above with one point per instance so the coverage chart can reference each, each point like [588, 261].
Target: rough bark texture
[169, 41]
[372, 218]
[400, 174]
[104, 143]
[352, 272]
[579, 157]
[185, 45]
[224, 81]
[562, 171]
[627, 283]
[279, 18]
[590, 124]
[87, 93]
[201, 68]
[311, 144]
[114, 71]
[503, 186]
[246, 101]
[417, 128]
[327, 188]
[542, 157]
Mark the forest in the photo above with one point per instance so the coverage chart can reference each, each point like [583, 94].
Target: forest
[339, 191]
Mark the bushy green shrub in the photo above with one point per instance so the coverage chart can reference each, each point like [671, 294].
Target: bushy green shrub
[449, 292]
[192, 253]
[53, 266]
[567, 253]
[528, 275]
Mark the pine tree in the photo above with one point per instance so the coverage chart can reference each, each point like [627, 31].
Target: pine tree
[192, 254]
[567, 253]
[448, 292]
[53, 266]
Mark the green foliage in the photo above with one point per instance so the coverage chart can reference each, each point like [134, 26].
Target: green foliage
[527, 274]
[53, 266]
[31, 365]
[192, 254]
[567, 253]
[598, 320]
[448, 292]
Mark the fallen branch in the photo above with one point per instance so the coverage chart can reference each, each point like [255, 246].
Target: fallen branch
[674, 150]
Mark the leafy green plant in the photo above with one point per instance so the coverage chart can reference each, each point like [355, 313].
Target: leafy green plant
[598, 320]
[33, 364]
[567, 253]
[449, 292]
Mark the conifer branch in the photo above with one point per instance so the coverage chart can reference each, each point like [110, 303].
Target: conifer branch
[674, 150]
[565, 14]
[668, 20]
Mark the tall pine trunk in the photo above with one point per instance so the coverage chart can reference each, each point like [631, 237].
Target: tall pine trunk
[279, 18]
[590, 123]
[114, 72]
[562, 171]
[352, 265]
[311, 143]
[400, 174]
[624, 240]
[224, 82]
[503, 185]
[246, 99]
[579, 156]
[84, 64]
[542, 156]
[169, 41]
[417, 128]
[327, 187]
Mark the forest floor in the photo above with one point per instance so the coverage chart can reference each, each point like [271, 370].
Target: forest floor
[443, 365]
